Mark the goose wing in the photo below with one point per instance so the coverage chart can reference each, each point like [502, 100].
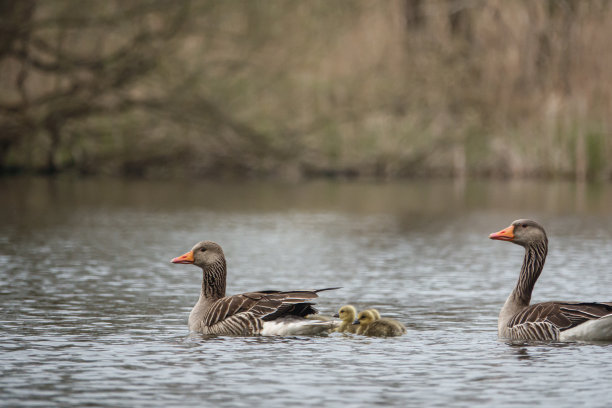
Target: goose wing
[544, 321]
[264, 305]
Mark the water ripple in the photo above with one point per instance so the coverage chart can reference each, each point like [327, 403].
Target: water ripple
[94, 314]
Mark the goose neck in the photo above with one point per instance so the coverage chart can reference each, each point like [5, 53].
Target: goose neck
[533, 263]
[213, 281]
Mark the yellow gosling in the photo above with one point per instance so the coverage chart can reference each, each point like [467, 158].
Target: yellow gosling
[391, 321]
[369, 326]
[347, 314]
[375, 313]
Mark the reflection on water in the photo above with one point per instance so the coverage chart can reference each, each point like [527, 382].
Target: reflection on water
[94, 313]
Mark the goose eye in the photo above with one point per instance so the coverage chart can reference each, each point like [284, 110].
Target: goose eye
[524, 225]
[202, 249]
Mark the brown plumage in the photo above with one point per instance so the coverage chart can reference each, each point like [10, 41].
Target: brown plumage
[550, 320]
[246, 313]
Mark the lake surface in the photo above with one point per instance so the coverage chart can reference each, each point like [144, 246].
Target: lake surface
[94, 314]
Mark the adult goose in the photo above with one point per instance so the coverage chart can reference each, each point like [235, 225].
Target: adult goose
[556, 321]
[267, 313]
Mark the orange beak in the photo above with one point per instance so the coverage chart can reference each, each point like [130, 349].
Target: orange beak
[184, 259]
[507, 234]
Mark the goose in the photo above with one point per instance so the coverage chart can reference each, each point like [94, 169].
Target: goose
[376, 313]
[317, 316]
[548, 321]
[347, 315]
[369, 326]
[266, 313]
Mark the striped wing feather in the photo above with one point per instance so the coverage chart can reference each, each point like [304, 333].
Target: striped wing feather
[257, 306]
[544, 321]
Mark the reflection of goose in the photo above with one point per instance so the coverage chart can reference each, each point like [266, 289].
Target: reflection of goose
[347, 314]
[369, 326]
[269, 312]
[550, 320]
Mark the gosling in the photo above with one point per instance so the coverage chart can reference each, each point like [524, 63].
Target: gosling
[378, 317]
[376, 313]
[369, 326]
[347, 315]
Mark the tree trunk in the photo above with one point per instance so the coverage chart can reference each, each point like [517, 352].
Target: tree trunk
[413, 14]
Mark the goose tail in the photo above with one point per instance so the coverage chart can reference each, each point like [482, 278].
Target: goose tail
[291, 326]
[592, 330]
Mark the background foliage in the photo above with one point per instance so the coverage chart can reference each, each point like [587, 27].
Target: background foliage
[288, 89]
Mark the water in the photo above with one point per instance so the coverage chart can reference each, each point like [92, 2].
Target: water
[93, 313]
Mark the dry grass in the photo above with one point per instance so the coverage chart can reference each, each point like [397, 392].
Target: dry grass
[291, 89]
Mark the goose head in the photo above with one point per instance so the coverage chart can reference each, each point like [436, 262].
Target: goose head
[203, 254]
[522, 232]
[347, 313]
[365, 318]
[376, 313]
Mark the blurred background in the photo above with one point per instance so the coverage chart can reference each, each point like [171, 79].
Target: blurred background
[292, 90]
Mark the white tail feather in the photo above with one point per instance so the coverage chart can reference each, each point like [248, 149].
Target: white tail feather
[592, 330]
[297, 327]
